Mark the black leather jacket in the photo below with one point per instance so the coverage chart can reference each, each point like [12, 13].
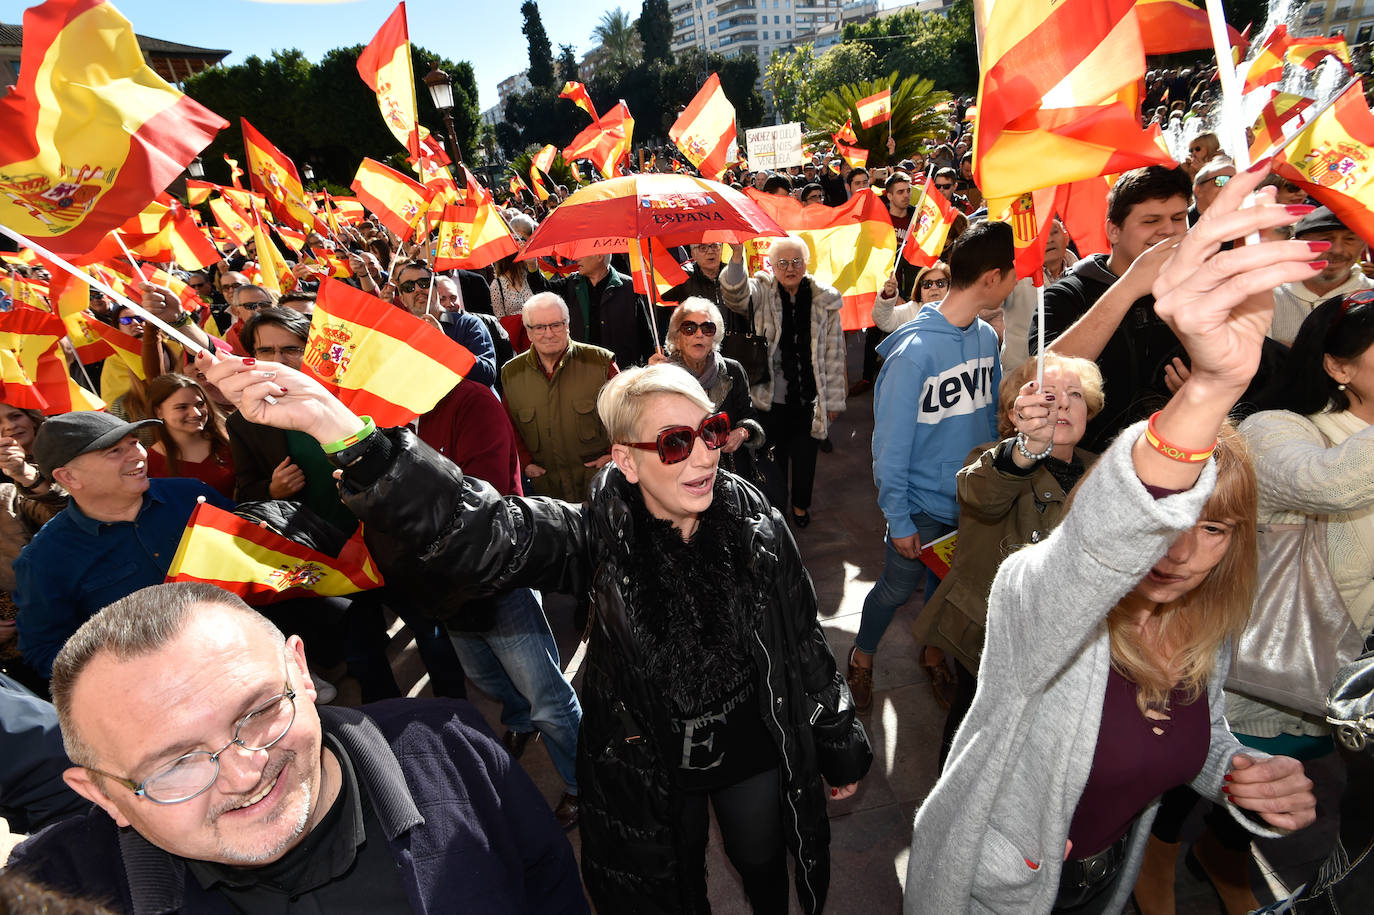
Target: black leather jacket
[468, 542]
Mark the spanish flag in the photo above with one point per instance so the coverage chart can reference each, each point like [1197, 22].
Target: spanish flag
[472, 237]
[274, 176]
[705, 131]
[263, 567]
[925, 237]
[1174, 26]
[846, 133]
[232, 220]
[128, 349]
[1309, 53]
[875, 109]
[542, 161]
[178, 240]
[576, 93]
[667, 271]
[852, 247]
[854, 155]
[606, 142]
[273, 273]
[198, 192]
[235, 173]
[89, 134]
[33, 369]
[396, 200]
[386, 68]
[1267, 65]
[517, 184]
[378, 359]
[1330, 158]
[1281, 108]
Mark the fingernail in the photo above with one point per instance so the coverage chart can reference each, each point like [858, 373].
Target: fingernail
[1226, 789]
[250, 362]
[1317, 265]
[1260, 166]
[1316, 247]
[1299, 209]
[834, 792]
[1228, 776]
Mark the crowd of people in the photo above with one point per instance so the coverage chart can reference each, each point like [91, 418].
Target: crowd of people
[188, 752]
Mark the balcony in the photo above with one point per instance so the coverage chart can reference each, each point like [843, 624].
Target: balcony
[726, 24]
[738, 38]
[725, 9]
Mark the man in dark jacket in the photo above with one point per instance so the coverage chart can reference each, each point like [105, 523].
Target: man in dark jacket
[222, 788]
[606, 311]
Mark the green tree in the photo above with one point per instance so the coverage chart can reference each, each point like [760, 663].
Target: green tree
[787, 80]
[656, 30]
[618, 39]
[559, 171]
[567, 63]
[914, 123]
[541, 51]
[847, 62]
[941, 48]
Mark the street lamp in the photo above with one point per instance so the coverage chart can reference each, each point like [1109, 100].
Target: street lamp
[441, 92]
[308, 172]
[196, 168]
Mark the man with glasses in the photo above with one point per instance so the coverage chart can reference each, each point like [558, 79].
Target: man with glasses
[946, 182]
[244, 301]
[897, 196]
[192, 725]
[703, 275]
[1211, 178]
[551, 391]
[1342, 275]
[416, 293]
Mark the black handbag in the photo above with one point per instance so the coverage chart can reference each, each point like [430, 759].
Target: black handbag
[746, 347]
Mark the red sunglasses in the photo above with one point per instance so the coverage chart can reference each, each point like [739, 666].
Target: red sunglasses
[674, 444]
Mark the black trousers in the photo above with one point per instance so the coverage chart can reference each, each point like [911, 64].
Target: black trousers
[788, 431]
[872, 337]
[750, 819]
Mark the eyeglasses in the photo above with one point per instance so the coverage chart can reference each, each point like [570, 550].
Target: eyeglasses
[545, 328]
[934, 284]
[272, 352]
[258, 303]
[410, 286]
[690, 328]
[790, 263]
[192, 774]
[230, 285]
[1219, 180]
[706, 246]
[1355, 301]
[674, 444]
[130, 319]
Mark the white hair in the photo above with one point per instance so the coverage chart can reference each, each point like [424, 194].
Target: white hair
[775, 250]
[544, 300]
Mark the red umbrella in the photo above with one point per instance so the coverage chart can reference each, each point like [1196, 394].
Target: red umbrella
[678, 209]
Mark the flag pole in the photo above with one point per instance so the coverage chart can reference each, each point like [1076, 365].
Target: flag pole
[652, 286]
[915, 217]
[94, 283]
[1040, 330]
[1232, 130]
[128, 255]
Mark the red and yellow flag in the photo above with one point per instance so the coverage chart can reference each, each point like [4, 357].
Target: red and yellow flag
[925, 237]
[667, 271]
[1281, 108]
[198, 192]
[517, 184]
[854, 155]
[273, 273]
[128, 349]
[386, 68]
[90, 133]
[542, 161]
[380, 360]
[274, 176]
[396, 200]
[471, 238]
[178, 240]
[576, 93]
[1174, 26]
[1332, 159]
[852, 247]
[875, 109]
[231, 218]
[606, 142]
[33, 368]
[846, 133]
[263, 567]
[1057, 94]
[1267, 65]
[235, 173]
[70, 298]
[705, 131]
[1309, 53]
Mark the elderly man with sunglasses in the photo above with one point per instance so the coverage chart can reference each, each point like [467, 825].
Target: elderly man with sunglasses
[416, 293]
[192, 725]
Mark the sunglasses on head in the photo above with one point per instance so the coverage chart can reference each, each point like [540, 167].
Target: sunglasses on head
[1353, 302]
[690, 328]
[674, 444]
[410, 286]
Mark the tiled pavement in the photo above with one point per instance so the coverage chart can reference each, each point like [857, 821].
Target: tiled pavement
[871, 831]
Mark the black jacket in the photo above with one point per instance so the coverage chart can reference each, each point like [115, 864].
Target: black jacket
[470, 542]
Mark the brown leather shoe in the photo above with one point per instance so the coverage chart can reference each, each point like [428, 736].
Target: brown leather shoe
[516, 741]
[860, 684]
[566, 812]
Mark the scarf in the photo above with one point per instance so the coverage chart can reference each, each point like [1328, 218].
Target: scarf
[709, 375]
[795, 343]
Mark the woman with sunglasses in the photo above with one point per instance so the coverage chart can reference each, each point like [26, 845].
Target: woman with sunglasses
[932, 284]
[708, 680]
[693, 342]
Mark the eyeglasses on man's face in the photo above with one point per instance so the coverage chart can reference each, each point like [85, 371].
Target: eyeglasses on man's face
[192, 774]
[943, 186]
[410, 286]
[276, 352]
[130, 319]
[545, 328]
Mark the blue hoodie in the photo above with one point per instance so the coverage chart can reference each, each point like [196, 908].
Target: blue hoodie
[935, 401]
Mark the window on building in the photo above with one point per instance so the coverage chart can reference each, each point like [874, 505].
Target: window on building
[777, 36]
[776, 19]
[711, 30]
[789, 20]
[1365, 33]
[1342, 12]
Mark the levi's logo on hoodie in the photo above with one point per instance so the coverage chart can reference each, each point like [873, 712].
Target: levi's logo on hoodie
[959, 391]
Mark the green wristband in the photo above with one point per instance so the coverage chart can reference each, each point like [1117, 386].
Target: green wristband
[368, 428]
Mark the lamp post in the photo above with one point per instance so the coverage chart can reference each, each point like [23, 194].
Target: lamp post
[441, 93]
[307, 172]
[196, 168]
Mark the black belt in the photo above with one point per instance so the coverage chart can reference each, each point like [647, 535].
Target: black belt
[1083, 878]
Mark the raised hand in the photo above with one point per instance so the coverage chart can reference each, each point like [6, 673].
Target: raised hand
[271, 394]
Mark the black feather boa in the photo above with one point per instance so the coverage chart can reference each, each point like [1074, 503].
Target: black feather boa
[684, 604]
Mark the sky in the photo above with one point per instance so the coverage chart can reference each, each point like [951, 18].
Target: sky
[485, 32]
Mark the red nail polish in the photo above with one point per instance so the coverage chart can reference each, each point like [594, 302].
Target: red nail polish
[834, 792]
[1260, 166]
[250, 362]
[1316, 247]
[282, 390]
[1317, 265]
[1227, 776]
[1226, 789]
[1299, 209]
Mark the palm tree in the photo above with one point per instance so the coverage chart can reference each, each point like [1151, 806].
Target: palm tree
[915, 122]
[619, 39]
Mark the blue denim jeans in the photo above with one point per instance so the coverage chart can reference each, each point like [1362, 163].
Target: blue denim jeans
[516, 663]
[900, 579]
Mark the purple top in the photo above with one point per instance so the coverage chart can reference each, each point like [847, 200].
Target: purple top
[1133, 764]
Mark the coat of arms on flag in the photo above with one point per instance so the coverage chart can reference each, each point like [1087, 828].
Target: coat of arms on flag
[330, 351]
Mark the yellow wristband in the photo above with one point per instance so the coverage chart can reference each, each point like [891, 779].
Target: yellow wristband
[1174, 452]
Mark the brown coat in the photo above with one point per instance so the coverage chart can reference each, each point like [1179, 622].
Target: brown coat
[998, 513]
